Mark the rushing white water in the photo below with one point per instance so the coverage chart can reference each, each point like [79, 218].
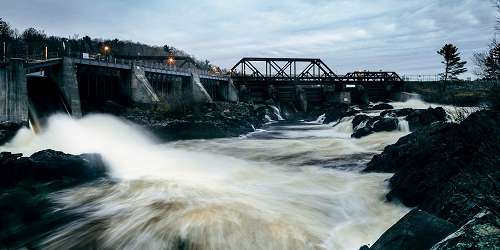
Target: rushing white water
[287, 187]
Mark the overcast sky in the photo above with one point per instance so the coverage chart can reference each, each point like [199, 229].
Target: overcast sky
[398, 35]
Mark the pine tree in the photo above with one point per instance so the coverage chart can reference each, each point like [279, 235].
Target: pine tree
[454, 65]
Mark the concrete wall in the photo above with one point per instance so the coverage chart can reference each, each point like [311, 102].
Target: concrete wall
[199, 94]
[13, 92]
[65, 76]
[141, 91]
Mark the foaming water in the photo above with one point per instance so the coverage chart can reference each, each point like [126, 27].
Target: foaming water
[291, 191]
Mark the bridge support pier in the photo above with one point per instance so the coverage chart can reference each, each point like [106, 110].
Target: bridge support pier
[199, 94]
[141, 91]
[13, 92]
[66, 79]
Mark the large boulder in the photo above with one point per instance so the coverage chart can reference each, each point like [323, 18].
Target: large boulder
[338, 111]
[26, 183]
[49, 166]
[385, 124]
[482, 232]
[364, 125]
[417, 230]
[382, 106]
[449, 170]
[423, 117]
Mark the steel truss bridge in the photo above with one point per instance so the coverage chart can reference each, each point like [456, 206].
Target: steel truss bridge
[311, 74]
[302, 71]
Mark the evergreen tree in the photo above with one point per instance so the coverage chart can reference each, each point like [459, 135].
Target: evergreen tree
[488, 62]
[454, 65]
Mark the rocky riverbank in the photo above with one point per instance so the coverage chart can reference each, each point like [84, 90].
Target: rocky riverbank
[214, 120]
[451, 171]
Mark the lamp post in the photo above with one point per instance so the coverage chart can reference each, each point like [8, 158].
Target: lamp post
[106, 52]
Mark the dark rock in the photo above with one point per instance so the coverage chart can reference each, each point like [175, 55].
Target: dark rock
[482, 232]
[423, 117]
[397, 112]
[336, 112]
[49, 166]
[358, 119]
[385, 124]
[361, 132]
[25, 185]
[364, 125]
[8, 130]
[449, 170]
[382, 106]
[209, 121]
[417, 230]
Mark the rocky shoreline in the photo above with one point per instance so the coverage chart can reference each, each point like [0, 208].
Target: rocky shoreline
[450, 171]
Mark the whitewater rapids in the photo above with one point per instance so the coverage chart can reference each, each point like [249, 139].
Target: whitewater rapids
[293, 186]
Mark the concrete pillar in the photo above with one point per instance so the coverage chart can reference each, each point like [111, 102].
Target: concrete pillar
[199, 94]
[142, 91]
[13, 92]
[227, 91]
[66, 79]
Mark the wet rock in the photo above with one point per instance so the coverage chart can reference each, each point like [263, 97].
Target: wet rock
[482, 232]
[382, 106]
[336, 112]
[397, 112]
[209, 121]
[25, 185]
[361, 132]
[49, 166]
[385, 124]
[359, 119]
[8, 130]
[449, 170]
[364, 125]
[417, 230]
[423, 117]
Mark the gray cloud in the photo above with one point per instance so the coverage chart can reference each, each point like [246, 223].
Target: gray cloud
[400, 35]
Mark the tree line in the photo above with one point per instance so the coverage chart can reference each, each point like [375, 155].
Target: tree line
[32, 43]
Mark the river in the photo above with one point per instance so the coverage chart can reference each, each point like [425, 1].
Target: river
[287, 186]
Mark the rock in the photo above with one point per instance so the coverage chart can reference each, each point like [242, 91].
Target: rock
[364, 131]
[449, 170]
[49, 166]
[364, 125]
[209, 121]
[397, 112]
[8, 130]
[482, 232]
[417, 230]
[336, 112]
[385, 124]
[358, 119]
[26, 183]
[382, 106]
[423, 117]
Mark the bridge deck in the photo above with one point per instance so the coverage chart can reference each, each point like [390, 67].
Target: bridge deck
[149, 68]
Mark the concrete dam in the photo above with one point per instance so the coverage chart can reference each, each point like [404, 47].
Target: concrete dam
[32, 90]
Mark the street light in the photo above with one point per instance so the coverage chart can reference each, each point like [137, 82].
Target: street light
[106, 52]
